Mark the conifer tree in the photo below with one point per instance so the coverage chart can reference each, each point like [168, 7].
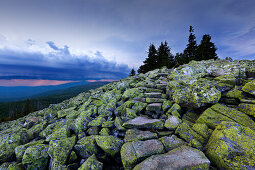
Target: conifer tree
[191, 49]
[150, 62]
[206, 49]
[165, 58]
[132, 72]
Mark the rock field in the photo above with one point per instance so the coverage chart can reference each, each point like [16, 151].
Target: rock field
[197, 116]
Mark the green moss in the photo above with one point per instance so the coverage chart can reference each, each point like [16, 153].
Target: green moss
[212, 118]
[59, 150]
[86, 147]
[35, 130]
[232, 146]
[108, 124]
[118, 123]
[51, 128]
[9, 142]
[249, 109]
[65, 112]
[249, 87]
[130, 114]
[36, 157]
[189, 135]
[20, 150]
[62, 133]
[91, 163]
[235, 115]
[139, 106]
[73, 157]
[109, 144]
[97, 122]
[104, 132]
[228, 78]
[132, 93]
[202, 129]
[166, 105]
[235, 93]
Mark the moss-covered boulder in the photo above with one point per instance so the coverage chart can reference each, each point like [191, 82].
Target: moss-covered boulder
[190, 136]
[247, 108]
[109, 144]
[227, 78]
[135, 135]
[132, 93]
[172, 122]
[59, 151]
[235, 93]
[91, 163]
[65, 112]
[9, 142]
[20, 150]
[98, 121]
[249, 87]
[172, 142]
[183, 157]
[61, 133]
[133, 152]
[198, 94]
[36, 157]
[232, 146]
[86, 147]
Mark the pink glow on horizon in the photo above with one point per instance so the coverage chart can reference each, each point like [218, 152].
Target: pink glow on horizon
[32, 82]
[103, 80]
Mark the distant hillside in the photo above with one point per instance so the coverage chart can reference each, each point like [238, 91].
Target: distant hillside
[8, 94]
[13, 110]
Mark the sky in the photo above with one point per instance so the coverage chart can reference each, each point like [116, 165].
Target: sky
[72, 40]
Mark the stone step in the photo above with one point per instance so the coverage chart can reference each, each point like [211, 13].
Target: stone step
[154, 106]
[153, 95]
[154, 100]
[144, 123]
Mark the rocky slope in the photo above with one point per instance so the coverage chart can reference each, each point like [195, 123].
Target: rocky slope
[197, 116]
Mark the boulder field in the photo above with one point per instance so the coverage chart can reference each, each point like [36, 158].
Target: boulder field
[197, 116]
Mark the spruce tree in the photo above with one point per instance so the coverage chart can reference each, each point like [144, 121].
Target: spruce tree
[164, 57]
[206, 49]
[132, 72]
[150, 62]
[191, 49]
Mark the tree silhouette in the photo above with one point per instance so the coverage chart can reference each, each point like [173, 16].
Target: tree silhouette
[28, 107]
[206, 49]
[190, 50]
[150, 62]
[132, 72]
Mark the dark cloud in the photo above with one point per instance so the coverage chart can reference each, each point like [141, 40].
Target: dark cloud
[58, 65]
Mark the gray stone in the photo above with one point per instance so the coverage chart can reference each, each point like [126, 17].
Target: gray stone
[144, 123]
[154, 106]
[183, 157]
[132, 152]
[135, 135]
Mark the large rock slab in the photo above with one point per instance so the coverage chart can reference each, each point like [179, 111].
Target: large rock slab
[247, 108]
[109, 144]
[144, 123]
[133, 152]
[232, 146]
[213, 116]
[59, 151]
[172, 142]
[249, 87]
[36, 157]
[183, 157]
[199, 93]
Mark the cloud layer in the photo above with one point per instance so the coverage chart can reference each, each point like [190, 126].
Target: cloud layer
[57, 64]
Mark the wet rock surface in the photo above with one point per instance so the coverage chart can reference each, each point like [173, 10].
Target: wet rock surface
[197, 116]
